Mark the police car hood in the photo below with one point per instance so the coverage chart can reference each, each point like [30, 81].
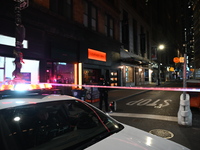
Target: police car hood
[131, 138]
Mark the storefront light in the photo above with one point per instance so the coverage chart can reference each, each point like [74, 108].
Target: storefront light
[10, 41]
[80, 74]
[140, 69]
[75, 74]
[121, 67]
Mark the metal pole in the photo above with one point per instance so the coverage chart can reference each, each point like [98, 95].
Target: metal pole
[158, 82]
[184, 113]
[159, 73]
[184, 75]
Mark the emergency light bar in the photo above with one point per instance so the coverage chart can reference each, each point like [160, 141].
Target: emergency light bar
[24, 87]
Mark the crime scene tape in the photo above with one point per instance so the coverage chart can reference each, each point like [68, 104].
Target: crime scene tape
[134, 88]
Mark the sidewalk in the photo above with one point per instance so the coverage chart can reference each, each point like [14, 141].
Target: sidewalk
[187, 136]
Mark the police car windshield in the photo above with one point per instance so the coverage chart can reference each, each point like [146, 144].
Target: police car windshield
[54, 125]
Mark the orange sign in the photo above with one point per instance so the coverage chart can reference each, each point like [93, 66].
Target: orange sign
[181, 59]
[176, 60]
[96, 55]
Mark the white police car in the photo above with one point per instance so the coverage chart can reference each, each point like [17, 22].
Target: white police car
[35, 120]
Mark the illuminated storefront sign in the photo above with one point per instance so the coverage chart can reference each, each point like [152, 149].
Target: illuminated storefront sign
[10, 41]
[96, 55]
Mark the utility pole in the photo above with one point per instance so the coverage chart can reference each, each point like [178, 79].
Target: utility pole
[20, 36]
[184, 113]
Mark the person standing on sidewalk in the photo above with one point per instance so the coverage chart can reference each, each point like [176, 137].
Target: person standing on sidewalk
[103, 94]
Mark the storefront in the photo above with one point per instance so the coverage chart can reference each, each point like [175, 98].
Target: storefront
[135, 69]
[135, 75]
[98, 63]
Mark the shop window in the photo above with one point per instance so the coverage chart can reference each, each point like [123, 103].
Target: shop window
[91, 76]
[29, 70]
[113, 78]
[60, 72]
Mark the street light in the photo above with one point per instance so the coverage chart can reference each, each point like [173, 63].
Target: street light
[160, 47]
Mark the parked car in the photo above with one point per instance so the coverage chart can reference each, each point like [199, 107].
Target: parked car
[35, 120]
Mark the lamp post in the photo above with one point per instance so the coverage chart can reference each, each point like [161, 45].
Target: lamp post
[160, 47]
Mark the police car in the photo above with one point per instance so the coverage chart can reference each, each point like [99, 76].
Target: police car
[35, 119]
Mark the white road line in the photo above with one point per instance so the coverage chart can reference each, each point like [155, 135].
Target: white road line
[147, 116]
[130, 95]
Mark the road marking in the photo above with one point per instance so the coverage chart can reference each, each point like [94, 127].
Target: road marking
[150, 102]
[146, 116]
[130, 95]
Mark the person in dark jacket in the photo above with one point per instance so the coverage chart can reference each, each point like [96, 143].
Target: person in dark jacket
[103, 94]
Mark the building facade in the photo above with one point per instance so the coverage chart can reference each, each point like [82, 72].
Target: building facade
[73, 41]
[136, 35]
[196, 7]
[77, 41]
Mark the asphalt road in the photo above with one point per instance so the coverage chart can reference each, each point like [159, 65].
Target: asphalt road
[157, 110]
[152, 102]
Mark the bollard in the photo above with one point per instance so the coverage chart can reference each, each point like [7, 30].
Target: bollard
[184, 113]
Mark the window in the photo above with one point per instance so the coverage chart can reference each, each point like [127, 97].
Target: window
[90, 16]
[125, 30]
[135, 39]
[94, 18]
[60, 72]
[142, 41]
[109, 26]
[29, 69]
[113, 78]
[148, 46]
[91, 76]
[85, 15]
[62, 7]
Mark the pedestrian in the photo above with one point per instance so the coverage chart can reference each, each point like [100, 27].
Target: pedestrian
[103, 94]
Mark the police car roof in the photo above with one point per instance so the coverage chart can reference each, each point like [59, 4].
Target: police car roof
[25, 100]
